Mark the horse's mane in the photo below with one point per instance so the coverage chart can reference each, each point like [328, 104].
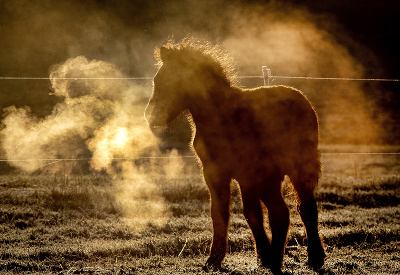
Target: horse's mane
[213, 55]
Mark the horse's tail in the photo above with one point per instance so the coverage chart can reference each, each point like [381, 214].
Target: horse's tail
[316, 169]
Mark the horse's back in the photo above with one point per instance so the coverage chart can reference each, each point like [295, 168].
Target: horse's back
[282, 114]
[277, 129]
[282, 100]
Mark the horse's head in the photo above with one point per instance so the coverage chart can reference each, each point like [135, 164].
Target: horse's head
[170, 86]
[186, 78]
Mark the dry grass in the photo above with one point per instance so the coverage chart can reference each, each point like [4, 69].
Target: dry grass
[69, 225]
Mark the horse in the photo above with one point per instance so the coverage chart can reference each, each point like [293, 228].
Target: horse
[253, 136]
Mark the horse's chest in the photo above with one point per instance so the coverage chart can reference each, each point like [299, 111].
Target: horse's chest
[225, 149]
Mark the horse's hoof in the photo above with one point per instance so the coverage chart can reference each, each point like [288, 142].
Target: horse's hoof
[268, 264]
[214, 264]
[276, 270]
[316, 258]
[211, 268]
[317, 263]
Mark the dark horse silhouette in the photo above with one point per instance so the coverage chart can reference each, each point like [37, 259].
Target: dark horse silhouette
[255, 136]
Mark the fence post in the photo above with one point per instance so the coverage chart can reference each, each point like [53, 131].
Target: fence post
[266, 75]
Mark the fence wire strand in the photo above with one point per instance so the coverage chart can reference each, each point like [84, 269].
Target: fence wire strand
[176, 157]
[273, 77]
[73, 78]
[334, 78]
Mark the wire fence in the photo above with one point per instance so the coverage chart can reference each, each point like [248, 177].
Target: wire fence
[335, 78]
[185, 156]
[270, 77]
[73, 78]
[266, 76]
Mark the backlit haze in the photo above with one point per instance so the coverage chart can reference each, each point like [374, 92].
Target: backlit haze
[78, 113]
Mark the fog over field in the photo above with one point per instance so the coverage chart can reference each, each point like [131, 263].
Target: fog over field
[72, 116]
[68, 92]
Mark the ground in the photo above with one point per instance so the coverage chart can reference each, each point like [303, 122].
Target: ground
[68, 224]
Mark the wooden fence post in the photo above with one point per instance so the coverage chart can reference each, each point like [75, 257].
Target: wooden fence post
[266, 75]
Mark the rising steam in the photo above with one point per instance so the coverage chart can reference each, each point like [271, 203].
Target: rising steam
[293, 42]
[101, 118]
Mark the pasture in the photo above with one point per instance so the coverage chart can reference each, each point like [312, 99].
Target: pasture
[68, 223]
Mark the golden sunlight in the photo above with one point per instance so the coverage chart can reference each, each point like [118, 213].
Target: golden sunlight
[120, 138]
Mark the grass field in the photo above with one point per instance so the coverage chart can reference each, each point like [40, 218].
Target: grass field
[69, 224]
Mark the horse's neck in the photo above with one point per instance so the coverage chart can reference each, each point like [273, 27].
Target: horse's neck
[210, 109]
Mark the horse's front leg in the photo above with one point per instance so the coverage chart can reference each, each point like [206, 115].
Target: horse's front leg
[219, 188]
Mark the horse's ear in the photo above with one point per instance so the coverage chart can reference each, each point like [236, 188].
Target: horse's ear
[165, 53]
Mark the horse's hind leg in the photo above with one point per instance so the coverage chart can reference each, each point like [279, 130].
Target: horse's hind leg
[254, 215]
[278, 214]
[304, 185]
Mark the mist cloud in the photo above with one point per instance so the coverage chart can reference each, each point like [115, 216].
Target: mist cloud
[293, 42]
[99, 117]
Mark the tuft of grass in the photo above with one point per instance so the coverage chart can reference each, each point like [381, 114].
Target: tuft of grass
[181, 189]
[370, 193]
